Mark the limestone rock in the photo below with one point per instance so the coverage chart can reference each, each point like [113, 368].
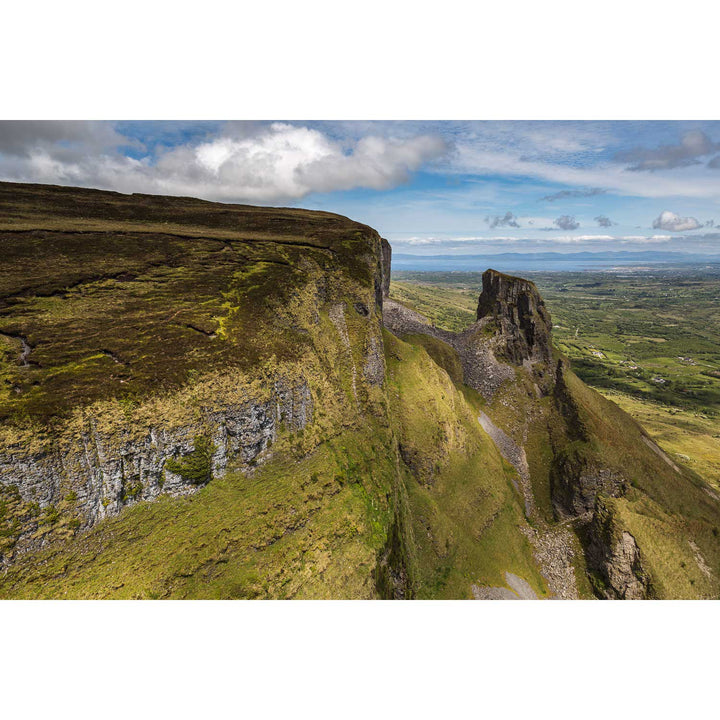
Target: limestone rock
[107, 472]
[519, 314]
[614, 557]
[575, 483]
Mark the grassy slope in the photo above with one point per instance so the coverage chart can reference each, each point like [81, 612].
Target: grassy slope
[135, 327]
[691, 438]
[665, 510]
[119, 296]
[451, 307]
[307, 526]
[465, 512]
[314, 526]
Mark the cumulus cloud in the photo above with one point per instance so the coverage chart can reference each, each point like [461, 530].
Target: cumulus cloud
[506, 220]
[693, 145]
[251, 162]
[564, 194]
[674, 223]
[567, 222]
[715, 163]
[374, 162]
[604, 221]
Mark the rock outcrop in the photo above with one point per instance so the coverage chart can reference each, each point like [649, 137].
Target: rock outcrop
[513, 325]
[614, 558]
[520, 316]
[386, 260]
[106, 467]
[482, 371]
[575, 483]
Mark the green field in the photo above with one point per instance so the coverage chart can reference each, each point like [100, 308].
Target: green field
[647, 339]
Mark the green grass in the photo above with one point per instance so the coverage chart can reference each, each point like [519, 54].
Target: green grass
[195, 467]
[298, 527]
[444, 356]
[464, 510]
[123, 296]
[604, 323]
[690, 437]
[452, 308]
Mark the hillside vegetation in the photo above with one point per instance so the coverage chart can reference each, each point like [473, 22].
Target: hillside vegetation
[649, 340]
[201, 400]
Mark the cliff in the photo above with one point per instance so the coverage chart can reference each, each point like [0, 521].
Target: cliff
[210, 400]
[518, 311]
[148, 344]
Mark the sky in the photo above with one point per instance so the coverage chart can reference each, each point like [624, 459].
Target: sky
[431, 188]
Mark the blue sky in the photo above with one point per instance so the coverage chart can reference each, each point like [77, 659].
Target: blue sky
[429, 187]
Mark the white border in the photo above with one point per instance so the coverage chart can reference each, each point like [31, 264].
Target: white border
[327, 60]
[387, 59]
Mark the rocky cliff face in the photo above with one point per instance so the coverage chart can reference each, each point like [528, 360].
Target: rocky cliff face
[515, 307]
[613, 555]
[386, 267]
[95, 468]
[159, 360]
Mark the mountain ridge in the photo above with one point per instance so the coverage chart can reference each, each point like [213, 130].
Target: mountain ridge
[261, 419]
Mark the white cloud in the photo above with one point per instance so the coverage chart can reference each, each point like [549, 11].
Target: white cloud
[447, 240]
[478, 158]
[375, 162]
[672, 221]
[577, 239]
[258, 163]
[66, 139]
[518, 243]
[423, 241]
